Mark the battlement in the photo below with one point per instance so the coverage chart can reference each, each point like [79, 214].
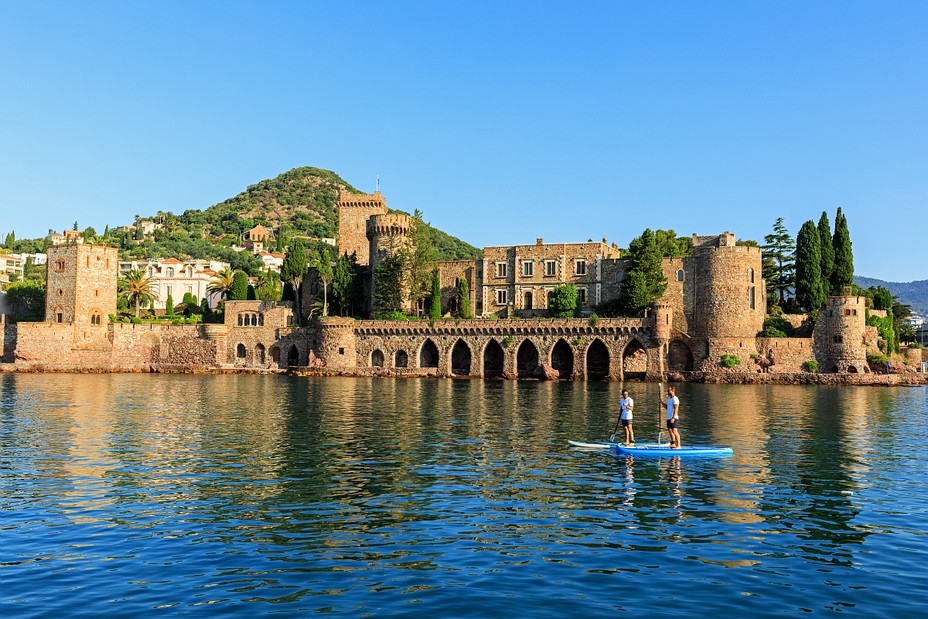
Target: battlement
[362, 200]
[392, 224]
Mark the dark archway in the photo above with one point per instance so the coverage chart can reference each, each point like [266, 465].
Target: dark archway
[259, 354]
[428, 356]
[527, 359]
[401, 359]
[460, 359]
[597, 361]
[275, 355]
[493, 360]
[679, 357]
[528, 301]
[562, 360]
[377, 359]
[293, 357]
[634, 361]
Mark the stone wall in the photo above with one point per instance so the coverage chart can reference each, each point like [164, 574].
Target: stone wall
[840, 335]
[354, 209]
[783, 354]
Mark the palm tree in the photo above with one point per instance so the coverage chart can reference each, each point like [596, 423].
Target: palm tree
[135, 286]
[222, 283]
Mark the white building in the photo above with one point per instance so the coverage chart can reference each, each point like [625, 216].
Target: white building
[12, 268]
[175, 278]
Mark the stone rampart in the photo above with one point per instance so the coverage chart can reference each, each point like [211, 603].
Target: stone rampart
[783, 354]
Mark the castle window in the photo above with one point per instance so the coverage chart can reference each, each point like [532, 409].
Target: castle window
[240, 351]
[528, 301]
[500, 269]
[59, 265]
[751, 275]
[240, 319]
[581, 295]
[550, 268]
[170, 272]
[619, 277]
[837, 339]
[501, 296]
[751, 301]
[95, 318]
[60, 317]
[528, 268]
[260, 320]
[853, 312]
[580, 267]
[847, 312]
[680, 275]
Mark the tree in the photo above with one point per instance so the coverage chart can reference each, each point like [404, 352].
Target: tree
[169, 306]
[10, 242]
[672, 246]
[26, 299]
[562, 301]
[843, 273]
[435, 308]
[810, 289]
[239, 290]
[419, 258]
[292, 271]
[828, 251]
[388, 284]
[268, 286]
[342, 278]
[779, 267]
[644, 282]
[322, 262]
[464, 298]
[136, 287]
[222, 283]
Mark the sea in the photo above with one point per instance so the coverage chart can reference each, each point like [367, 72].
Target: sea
[128, 495]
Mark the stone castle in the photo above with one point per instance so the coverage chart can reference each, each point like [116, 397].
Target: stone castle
[713, 307]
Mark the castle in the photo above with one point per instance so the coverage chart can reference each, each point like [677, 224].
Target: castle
[713, 307]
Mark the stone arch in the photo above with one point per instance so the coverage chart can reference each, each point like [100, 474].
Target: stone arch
[293, 356]
[240, 351]
[679, 357]
[562, 360]
[259, 354]
[401, 359]
[377, 358]
[597, 361]
[460, 359]
[634, 361]
[428, 355]
[527, 359]
[493, 359]
[275, 354]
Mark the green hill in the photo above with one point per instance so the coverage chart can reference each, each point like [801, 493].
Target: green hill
[914, 294]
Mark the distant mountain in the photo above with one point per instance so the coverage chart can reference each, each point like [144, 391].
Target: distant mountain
[914, 294]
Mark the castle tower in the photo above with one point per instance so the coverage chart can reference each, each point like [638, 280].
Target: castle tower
[81, 284]
[839, 335]
[388, 234]
[337, 342]
[730, 299]
[354, 209]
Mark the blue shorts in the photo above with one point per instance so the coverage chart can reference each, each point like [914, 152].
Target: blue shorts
[671, 424]
[626, 422]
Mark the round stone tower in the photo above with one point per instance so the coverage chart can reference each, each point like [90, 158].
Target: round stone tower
[337, 342]
[387, 234]
[839, 335]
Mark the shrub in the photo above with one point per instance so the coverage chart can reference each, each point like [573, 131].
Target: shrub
[776, 326]
[730, 361]
[593, 320]
[394, 315]
[810, 366]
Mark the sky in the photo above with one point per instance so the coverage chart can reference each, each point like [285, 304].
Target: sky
[502, 122]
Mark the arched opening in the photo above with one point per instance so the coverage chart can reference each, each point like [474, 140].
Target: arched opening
[377, 359]
[428, 356]
[259, 354]
[293, 357]
[597, 361]
[275, 355]
[562, 360]
[679, 357]
[401, 359]
[240, 351]
[527, 359]
[493, 360]
[852, 369]
[460, 359]
[634, 361]
[528, 301]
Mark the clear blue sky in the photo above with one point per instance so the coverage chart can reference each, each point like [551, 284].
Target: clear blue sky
[501, 121]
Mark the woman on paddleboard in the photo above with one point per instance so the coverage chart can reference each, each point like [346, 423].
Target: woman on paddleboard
[626, 404]
[673, 415]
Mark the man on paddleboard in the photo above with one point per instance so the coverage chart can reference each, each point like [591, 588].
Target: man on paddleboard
[626, 404]
[673, 415]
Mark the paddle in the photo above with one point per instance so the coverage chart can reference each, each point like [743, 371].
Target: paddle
[660, 428]
[615, 429]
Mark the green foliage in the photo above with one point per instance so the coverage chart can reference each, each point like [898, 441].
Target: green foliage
[562, 301]
[239, 291]
[886, 329]
[644, 282]
[778, 262]
[388, 291]
[810, 366]
[843, 273]
[347, 285]
[322, 261]
[507, 341]
[10, 241]
[594, 320]
[810, 288]
[394, 315]
[672, 246]
[435, 307]
[464, 298]
[882, 298]
[292, 271]
[135, 287]
[169, 306]
[730, 361]
[776, 326]
[877, 360]
[610, 309]
[827, 251]
[26, 300]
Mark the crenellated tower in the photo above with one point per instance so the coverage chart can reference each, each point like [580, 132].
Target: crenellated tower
[388, 234]
[839, 335]
[354, 209]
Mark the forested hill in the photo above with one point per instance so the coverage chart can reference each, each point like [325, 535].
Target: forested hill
[914, 294]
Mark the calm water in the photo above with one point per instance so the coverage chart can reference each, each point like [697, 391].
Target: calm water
[130, 495]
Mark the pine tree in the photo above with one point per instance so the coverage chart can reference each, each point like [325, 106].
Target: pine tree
[644, 282]
[810, 289]
[828, 252]
[843, 273]
[435, 309]
[779, 262]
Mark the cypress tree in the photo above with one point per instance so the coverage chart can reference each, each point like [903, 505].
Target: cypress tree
[239, 290]
[435, 309]
[843, 273]
[464, 298]
[827, 251]
[169, 306]
[810, 290]
[292, 271]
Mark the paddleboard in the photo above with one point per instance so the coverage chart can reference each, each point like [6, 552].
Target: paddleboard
[585, 445]
[665, 449]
